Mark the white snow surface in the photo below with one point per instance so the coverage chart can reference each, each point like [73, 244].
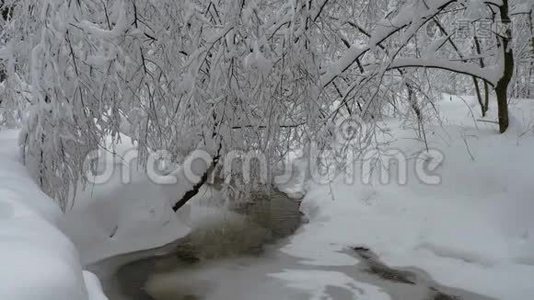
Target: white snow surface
[316, 282]
[120, 216]
[37, 261]
[473, 231]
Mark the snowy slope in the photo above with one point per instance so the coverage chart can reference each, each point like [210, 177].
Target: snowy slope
[473, 230]
[120, 216]
[37, 260]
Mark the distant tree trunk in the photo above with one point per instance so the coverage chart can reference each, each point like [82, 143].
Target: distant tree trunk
[479, 96]
[484, 103]
[530, 80]
[486, 96]
[5, 11]
[413, 103]
[501, 89]
[531, 69]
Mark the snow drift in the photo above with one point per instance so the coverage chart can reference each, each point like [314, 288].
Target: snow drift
[38, 261]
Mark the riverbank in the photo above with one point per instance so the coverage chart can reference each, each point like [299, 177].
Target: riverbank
[471, 230]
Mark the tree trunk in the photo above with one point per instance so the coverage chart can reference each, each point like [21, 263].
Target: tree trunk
[479, 96]
[501, 89]
[414, 104]
[486, 96]
[484, 103]
[502, 106]
[531, 69]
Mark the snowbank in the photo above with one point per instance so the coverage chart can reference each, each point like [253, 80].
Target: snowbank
[126, 213]
[472, 231]
[37, 260]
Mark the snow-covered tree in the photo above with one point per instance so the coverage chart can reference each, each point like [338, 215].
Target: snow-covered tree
[261, 75]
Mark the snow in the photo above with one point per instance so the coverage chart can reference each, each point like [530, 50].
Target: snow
[94, 288]
[120, 216]
[411, 16]
[523, 8]
[38, 261]
[317, 282]
[472, 231]
[270, 276]
[119, 29]
[256, 61]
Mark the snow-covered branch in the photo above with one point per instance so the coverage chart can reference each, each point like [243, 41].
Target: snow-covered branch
[487, 74]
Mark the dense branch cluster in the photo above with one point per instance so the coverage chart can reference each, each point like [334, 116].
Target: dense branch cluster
[263, 75]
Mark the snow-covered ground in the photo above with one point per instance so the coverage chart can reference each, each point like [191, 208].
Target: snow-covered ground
[37, 261]
[474, 230]
[471, 230]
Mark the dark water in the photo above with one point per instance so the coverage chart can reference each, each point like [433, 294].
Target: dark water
[262, 221]
[233, 260]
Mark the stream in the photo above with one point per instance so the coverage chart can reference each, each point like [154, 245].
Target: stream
[236, 257]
